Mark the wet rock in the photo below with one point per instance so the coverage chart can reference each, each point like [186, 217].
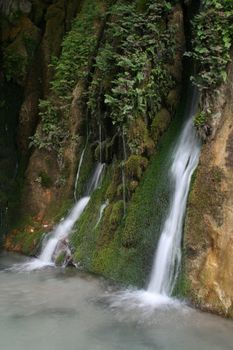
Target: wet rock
[209, 222]
[62, 255]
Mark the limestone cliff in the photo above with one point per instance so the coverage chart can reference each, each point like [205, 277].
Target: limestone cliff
[209, 222]
[31, 34]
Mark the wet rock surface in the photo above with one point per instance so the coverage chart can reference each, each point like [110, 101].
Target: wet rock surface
[209, 222]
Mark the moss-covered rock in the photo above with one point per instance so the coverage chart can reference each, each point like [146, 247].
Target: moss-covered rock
[18, 55]
[55, 28]
[173, 99]
[160, 124]
[122, 247]
[25, 241]
[117, 213]
[134, 166]
[138, 138]
[111, 193]
[60, 259]
[209, 220]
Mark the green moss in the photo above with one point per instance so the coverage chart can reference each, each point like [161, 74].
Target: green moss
[205, 200]
[19, 54]
[147, 209]
[45, 180]
[122, 248]
[173, 99]
[58, 210]
[28, 236]
[26, 241]
[60, 259]
[133, 185]
[117, 213]
[138, 138]
[182, 287]
[111, 192]
[86, 233]
[160, 124]
[135, 166]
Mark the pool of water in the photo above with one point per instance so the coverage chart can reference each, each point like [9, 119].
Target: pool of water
[54, 309]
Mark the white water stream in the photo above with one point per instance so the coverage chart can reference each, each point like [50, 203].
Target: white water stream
[64, 228]
[101, 212]
[78, 173]
[184, 160]
[168, 255]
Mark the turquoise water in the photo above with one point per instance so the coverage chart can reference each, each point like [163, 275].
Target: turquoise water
[66, 309]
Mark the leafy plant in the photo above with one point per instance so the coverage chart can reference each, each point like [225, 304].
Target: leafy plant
[213, 35]
[132, 62]
[77, 46]
[200, 119]
[53, 132]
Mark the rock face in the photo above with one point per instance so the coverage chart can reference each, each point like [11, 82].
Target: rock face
[77, 103]
[209, 222]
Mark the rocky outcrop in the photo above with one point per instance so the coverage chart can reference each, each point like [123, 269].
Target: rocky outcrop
[59, 167]
[31, 33]
[83, 83]
[209, 222]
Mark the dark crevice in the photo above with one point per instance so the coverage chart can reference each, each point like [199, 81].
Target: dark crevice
[190, 9]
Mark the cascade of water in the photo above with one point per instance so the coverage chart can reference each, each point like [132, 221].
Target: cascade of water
[78, 172]
[101, 211]
[100, 141]
[123, 171]
[64, 228]
[96, 179]
[168, 255]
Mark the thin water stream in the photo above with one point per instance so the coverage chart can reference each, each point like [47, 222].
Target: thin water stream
[62, 231]
[57, 309]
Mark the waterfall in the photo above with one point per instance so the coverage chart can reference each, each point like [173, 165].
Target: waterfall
[78, 172]
[123, 171]
[184, 161]
[100, 142]
[101, 211]
[96, 179]
[64, 228]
